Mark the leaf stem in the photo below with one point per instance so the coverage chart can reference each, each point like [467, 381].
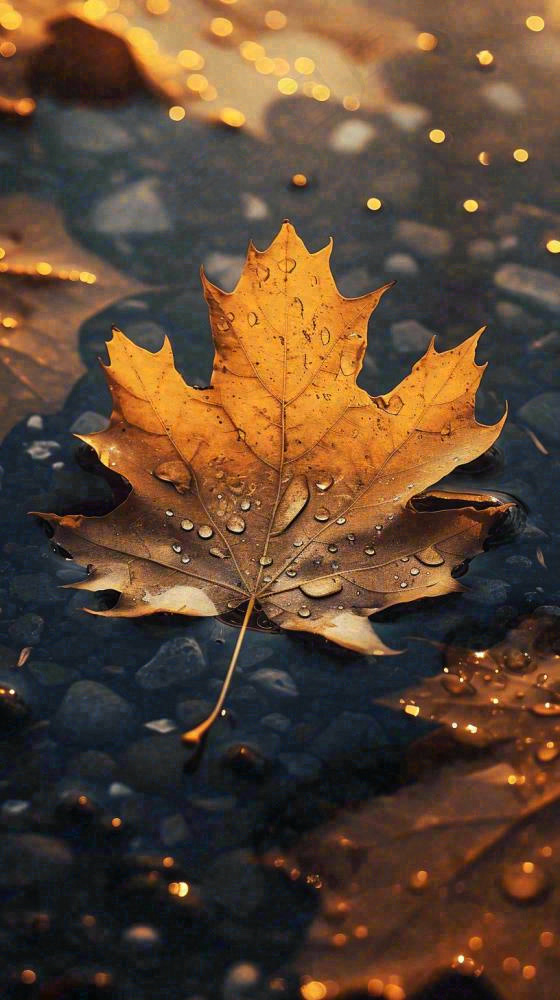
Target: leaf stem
[194, 736]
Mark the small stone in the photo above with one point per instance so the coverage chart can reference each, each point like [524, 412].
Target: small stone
[351, 136]
[154, 764]
[90, 131]
[40, 450]
[354, 283]
[542, 414]
[89, 422]
[302, 766]
[253, 207]
[118, 790]
[481, 249]
[192, 711]
[505, 97]
[173, 830]
[27, 630]
[50, 674]
[487, 591]
[93, 715]
[349, 734]
[511, 315]
[30, 858]
[146, 334]
[177, 662]
[36, 588]
[408, 117]
[236, 882]
[275, 681]
[409, 336]
[539, 287]
[427, 241]
[35, 422]
[136, 208]
[276, 721]
[92, 765]
[401, 263]
[161, 725]
[224, 267]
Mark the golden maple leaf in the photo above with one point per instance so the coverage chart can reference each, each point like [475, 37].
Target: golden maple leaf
[48, 286]
[283, 485]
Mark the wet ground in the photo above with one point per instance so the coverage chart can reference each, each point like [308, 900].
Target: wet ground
[99, 815]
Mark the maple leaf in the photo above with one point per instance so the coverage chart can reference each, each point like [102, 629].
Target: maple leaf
[438, 876]
[283, 484]
[48, 286]
[87, 52]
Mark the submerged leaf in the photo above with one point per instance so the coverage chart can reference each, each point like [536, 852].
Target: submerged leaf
[48, 286]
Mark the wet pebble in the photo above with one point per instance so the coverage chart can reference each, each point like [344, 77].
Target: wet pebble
[409, 336]
[136, 208]
[275, 681]
[401, 263]
[505, 97]
[92, 765]
[408, 117]
[30, 858]
[89, 131]
[481, 249]
[236, 882]
[27, 630]
[487, 591]
[173, 829]
[542, 414]
[192, 711]
[224, 267]
[303, 766]
[92, 715]
[352, 135]
[50, 674]
[36, 588]
[154, 764]
[253, 207]
[177, 662]
[539, 287]
[276, 721]
[35, 422]
[427, 241]
[89, 422]
[347, 734]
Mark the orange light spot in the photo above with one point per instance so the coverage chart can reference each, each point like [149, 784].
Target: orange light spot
[197, 83]
[44, 268]
[520, 155]
[232, 117]
[350, 102]
[28, 976]
[320, 92]
[251, 51]
[534, 22]
[553, 246]
[529, 972]
[116, 822]
[426, 41]
[314, 990]
[470, 205]
[436, 135]
[484, 158]
[221, 27]
[7, 50]
[177, 113]
[275, 20]
[374, 204]
[287, 85]
[157, 7]
[190, 59]
[299, 180]
[485, 57]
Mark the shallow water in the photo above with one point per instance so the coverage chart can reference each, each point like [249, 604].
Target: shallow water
[101, 779]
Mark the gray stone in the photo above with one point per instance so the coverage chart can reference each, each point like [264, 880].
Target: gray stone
[173, 830]
[410, 337]
[355, 282]
[401, 263]
[505, 97]
[542, 414]
[352, 135]
[486, 591]
[90, 131]
[347, 735]
[40, 450]
[481, 249]
[253, 207]
[49, 674]
[148, 335]
[154, 764]
[302, 766]
[93, 765]
[36, 588]
[135, 209]
[177, 662]
[161, 725]
[35, 422]
[539, 287]
[428, 241]
[225, 268]
[93, 715]
[275, 681]
[276, 721]
[27, 630]
[236, 882]
[30, 858]
[89, 422]
[408, 117]
[192, 711]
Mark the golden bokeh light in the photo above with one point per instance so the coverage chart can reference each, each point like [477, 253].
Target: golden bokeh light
[9, 322]
[546, 939]
[313, 990]
[374, 204]
[43, 268]
[251, 51]
[28, 977]
[484, 158]
[177, 113]
[157, 7]
[426, 41]
[281, 66]
[190, 59]
[287, 85]
[275, 20]
[320, 92]
[304, 65]
[210, 94]
[7, 50]
[299, 180]
[520, 155]
[197, 82]
[534, 22]
[178, 889]
[221, 27]
[471, 205]
[436, 135]
[11, 20]
[350, 102]
[511, 965]
[529, 972]
[485, 57]
[553, 246]
[475, 943]
[232, 117]
[264, 65]
[375, 987]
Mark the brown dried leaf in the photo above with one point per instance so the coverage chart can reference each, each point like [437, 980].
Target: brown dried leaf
[508, 692]
[48, 286]
[456, 872]
[284, 483]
